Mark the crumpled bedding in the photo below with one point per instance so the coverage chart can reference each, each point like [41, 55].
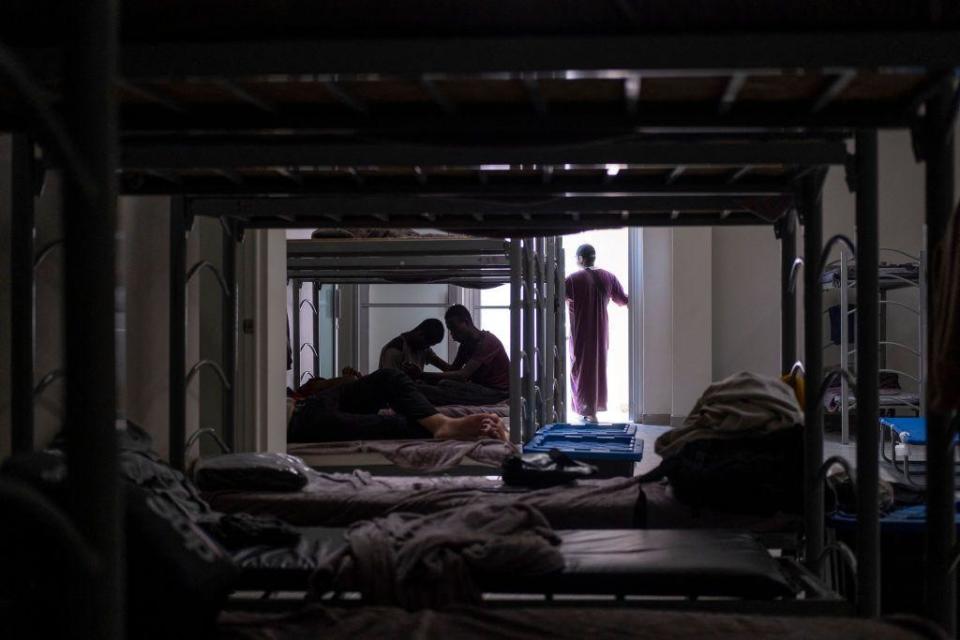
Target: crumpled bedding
[552, 623]
[427, 456]
[341, 499]
[742, 405]
[418, 561]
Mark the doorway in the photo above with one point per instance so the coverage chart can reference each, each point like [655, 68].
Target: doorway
[613, 247]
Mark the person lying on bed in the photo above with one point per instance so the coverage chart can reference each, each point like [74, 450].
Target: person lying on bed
[413, 347]
[346, 408]
[479, 375]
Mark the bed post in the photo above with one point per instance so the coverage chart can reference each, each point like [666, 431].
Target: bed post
[937, 144]
[516, 283]
[90, 271]
[541, 354]
[788, 295]
[295, 339]
[868, 313]
[178, 332]
[229, 332]
[21, 293]
[561, 337]
[529, 337]
[549, 353]
[316, 327]
[812, 206]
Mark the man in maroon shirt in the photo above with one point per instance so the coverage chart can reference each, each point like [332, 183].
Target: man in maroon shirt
[480, 373]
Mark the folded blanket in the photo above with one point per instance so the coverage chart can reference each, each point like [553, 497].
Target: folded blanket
[743, 405]
[430, 561]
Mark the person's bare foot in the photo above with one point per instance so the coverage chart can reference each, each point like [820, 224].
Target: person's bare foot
[474, 427]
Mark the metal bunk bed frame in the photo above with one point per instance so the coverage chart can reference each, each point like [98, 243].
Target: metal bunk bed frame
[466, 262]
[88, 146]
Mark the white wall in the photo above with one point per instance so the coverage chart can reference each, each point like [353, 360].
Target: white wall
[746, 301]
[677, 318]
[692, 317]
[746, 266]
[262, 358]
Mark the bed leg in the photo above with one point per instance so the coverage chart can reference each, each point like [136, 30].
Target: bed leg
[941, 581]
[868, 425]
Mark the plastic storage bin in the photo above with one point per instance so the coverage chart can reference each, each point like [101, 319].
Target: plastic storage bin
[613, 448]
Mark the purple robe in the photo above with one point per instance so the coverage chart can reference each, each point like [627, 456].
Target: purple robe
[588, 292]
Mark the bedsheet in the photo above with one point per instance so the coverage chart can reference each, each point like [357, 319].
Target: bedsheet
[340, 499]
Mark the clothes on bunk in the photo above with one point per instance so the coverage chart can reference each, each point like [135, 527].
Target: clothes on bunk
[458, 392]
[742, 405]
[945, 378]
[488, 352]
[430, 561]
[588, 292]
[350, 411]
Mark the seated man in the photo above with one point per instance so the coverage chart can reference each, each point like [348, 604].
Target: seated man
[413, 347]
[346, 408]
[479, 375]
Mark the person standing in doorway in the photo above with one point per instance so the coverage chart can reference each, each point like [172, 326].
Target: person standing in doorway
[588, 292]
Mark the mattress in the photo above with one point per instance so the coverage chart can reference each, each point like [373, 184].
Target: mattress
[338, 499]
[341, 499]
[557, 624]
[422, 456]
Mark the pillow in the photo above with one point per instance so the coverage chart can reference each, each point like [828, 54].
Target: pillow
[251, 472]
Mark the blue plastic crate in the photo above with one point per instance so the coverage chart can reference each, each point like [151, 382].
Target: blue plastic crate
[910, 430]
[906, 520]
[589, 443]
[618, 428]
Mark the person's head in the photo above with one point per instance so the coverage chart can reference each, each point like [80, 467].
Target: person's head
[426, 334]
[586, 255]
[459, 322]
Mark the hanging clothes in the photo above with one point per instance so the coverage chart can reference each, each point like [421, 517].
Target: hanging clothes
[588, 292]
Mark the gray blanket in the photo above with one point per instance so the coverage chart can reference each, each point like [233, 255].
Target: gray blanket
[340, 499]
[430, 561]
[428, 456]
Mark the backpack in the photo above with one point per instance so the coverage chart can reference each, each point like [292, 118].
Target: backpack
[758, 475]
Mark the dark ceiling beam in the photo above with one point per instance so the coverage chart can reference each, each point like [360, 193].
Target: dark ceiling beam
[583, 120]
[343, 97]
[832, 91]
[189, 153]
[739, 173]
[155, 182]
[632, 88]
[243, 95]
[150, 95]
[439, 98]
[675, 174]
[382, 207]
[518, 227]
[535, 96]
[525, 54]
[732, 90]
